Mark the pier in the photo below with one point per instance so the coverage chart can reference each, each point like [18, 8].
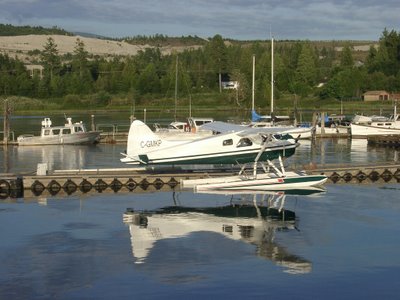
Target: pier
[385, 140]
[68, 182]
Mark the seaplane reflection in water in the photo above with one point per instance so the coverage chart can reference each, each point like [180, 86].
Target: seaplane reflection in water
[250, 220]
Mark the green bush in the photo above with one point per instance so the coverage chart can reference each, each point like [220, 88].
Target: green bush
[72, 101]
[100, 99]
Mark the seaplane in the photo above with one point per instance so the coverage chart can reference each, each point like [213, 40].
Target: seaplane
[236, 146]
[243, 146]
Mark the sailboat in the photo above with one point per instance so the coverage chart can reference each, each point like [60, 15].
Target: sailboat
[273, 120]
[189, 129]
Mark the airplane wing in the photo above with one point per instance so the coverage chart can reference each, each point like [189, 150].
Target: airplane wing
[223, 127]
[245, 130]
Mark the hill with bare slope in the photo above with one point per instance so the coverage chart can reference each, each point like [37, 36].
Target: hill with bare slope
[21, 46]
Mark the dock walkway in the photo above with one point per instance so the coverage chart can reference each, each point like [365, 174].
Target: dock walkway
[67, 182]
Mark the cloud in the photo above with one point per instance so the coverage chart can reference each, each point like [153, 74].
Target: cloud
[241, 19]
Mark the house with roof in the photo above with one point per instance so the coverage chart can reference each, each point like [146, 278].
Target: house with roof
[376, 96]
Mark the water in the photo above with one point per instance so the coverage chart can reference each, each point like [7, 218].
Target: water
[338, 244]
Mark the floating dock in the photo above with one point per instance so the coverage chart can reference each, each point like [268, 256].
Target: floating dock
[68, 182]
[385, 140]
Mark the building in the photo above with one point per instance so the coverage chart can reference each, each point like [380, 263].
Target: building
[376, 96]
[230, 85]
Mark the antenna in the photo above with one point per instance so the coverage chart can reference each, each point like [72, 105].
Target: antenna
[253, 84]
[272, 75]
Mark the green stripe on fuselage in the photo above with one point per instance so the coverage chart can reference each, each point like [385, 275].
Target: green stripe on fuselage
[234, 158]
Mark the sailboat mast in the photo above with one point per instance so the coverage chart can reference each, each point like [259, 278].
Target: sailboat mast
[253, 84]
[272, 75]
[176, 86]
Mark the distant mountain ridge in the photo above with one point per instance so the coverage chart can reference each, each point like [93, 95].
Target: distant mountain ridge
[11, 30]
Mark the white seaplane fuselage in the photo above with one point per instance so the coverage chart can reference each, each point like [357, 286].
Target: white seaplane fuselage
[145, 147]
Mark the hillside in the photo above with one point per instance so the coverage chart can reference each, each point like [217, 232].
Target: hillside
[21, 46]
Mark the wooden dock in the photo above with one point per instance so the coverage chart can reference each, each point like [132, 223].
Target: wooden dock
[68, 182]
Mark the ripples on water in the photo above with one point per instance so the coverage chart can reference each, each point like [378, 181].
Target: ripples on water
[341, 243]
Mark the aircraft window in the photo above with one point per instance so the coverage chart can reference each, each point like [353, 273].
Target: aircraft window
[244, 142]
[227, 142]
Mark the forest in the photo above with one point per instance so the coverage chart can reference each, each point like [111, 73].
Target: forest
[302, 70]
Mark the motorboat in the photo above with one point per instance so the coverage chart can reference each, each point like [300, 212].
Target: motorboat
[389, 127]
[69, 133]
[189, 130]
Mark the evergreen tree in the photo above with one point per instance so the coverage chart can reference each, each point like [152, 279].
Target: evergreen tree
[218, 56]
[346, 57]
[81, 80]
[306, 72]
[50, 58]
[148, 81]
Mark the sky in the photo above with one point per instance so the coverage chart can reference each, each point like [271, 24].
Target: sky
[236, 19]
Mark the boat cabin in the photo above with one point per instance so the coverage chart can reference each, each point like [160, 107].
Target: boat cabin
[68, 128]
[195, 123]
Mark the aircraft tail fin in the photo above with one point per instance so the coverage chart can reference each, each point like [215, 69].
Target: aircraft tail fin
[141, 139]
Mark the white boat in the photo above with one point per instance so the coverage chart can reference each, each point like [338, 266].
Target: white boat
[69, 133]
[145, 147]
[390, 127]
[361, 119]
[189, 130]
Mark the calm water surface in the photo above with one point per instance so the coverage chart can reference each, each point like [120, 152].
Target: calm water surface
[341, 243]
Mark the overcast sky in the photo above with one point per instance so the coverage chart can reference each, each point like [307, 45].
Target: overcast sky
[238, 19]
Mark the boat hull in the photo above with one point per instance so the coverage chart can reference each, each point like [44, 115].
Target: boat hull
[364, 131]
[70, 139]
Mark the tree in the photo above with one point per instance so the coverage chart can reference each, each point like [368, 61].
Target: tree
[80, 81]
[148, 81]
[50, 59]
[218, 56]
[241, 93]
[80, 60]
[306, 71]
[346, 57]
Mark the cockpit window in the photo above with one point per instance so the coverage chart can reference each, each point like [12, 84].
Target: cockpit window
[244, 142]
[227, 142]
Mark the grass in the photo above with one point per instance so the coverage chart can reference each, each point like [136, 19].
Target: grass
[203, 103]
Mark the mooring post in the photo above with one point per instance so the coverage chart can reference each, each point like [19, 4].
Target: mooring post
[322, 123]
[93, 125]
[6, 122]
